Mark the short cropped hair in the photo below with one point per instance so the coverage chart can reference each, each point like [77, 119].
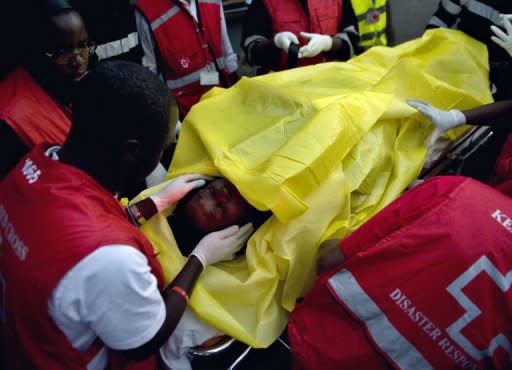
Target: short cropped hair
[118, 101]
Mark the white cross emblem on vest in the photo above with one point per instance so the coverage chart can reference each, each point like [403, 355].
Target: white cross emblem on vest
[473, 311]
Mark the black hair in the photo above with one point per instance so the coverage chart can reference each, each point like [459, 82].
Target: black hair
[43, 31]
[55, 7]
[186, 233]
[22, 44]
[119, 101]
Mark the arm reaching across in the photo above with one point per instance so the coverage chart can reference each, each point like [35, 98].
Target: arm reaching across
[485, 115]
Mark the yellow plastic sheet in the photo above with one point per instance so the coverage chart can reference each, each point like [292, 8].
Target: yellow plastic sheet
[324, 147]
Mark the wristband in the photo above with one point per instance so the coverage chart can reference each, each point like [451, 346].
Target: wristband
[131, 217]
[181, 292]
[293, 55]
[137, 214]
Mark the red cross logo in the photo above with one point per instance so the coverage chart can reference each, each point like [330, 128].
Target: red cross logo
[185, 62]
[472, 311]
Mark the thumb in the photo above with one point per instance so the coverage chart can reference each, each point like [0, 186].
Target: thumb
[246, 230]
[294, 38]
[303, 51]
[227, 232]
[422, 107]
[307, 35]
[196, 184]
[415, 103]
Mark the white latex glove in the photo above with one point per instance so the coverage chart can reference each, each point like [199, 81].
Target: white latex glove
[222, 245]
[442, 120]
[504, 39]
[177, 189]
[317, 44]
[283, 40]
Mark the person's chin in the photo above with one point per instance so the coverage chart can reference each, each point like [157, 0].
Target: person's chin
[76, 77]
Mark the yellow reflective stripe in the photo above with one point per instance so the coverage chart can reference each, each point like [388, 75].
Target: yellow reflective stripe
[373, 34]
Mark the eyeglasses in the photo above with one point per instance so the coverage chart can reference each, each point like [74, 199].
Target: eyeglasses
[62, 56]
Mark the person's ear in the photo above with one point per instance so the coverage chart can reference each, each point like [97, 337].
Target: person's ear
[132, 152]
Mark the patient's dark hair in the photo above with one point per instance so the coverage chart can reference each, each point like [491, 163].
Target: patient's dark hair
[187, 235]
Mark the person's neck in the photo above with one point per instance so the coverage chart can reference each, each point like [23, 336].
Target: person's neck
[89, 165]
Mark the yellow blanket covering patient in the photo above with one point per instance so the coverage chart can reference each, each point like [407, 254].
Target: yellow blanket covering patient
[324, 147]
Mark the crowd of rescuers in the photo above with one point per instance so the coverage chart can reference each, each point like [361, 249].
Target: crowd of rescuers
[100, 250]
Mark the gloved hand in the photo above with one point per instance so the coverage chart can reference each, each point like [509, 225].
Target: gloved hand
[504, 39]
[222, 245]
[441, 119]
[177, 189]
[317, 44]
[283, 40]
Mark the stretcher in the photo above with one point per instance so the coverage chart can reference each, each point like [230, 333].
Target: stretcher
[449, 157]
[324, 148]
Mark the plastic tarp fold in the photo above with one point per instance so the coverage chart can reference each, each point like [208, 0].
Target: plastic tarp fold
[324, 148]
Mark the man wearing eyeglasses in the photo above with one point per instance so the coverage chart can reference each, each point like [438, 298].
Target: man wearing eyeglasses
[35, 99]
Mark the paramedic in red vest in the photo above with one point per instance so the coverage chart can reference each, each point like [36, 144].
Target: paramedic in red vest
[79, 279]
[322, 29]
[424, 284]
[34, 101]
[187, 43]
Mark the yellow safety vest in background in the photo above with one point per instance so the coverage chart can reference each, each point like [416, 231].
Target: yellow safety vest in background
[371, 21]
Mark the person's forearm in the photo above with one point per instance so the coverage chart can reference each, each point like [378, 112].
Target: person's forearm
[336, 45]
[494, 114]
[175, 304]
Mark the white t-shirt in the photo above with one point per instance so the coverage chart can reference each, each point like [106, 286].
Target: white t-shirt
[110, 294]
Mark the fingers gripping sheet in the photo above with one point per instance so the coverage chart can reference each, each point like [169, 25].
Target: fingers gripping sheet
[324, 148]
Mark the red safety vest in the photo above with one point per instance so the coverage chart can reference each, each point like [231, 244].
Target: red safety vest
[52, 216]
[186, 50]
[433, 294]
[289, 15]
[32, 114]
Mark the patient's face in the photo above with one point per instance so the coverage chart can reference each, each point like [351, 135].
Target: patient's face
[216, 206]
